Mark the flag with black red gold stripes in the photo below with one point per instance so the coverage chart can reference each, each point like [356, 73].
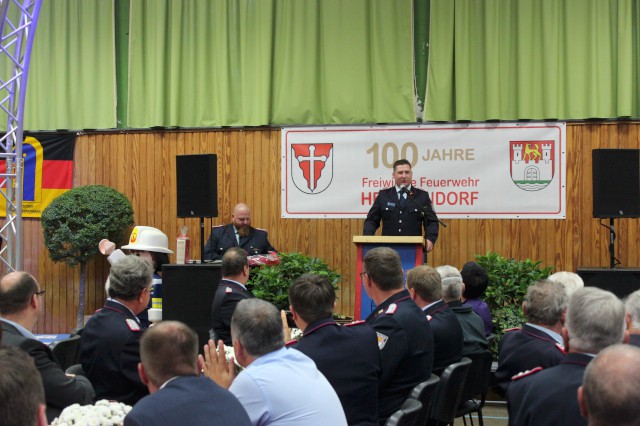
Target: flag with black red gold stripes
[47, 171]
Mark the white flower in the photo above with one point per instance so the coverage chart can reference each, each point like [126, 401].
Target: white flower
[103, 413]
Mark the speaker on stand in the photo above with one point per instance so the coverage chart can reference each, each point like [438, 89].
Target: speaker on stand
[616, 188]
[197, 189]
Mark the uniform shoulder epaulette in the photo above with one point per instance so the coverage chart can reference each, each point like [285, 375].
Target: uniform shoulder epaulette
[560, 348]
[133, 326]
[391, 309]
[526, 373]
[228, 290]
[358, 322]
[512, 329]
[290, 343]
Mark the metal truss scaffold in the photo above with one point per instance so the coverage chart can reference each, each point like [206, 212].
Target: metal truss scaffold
[17, 31]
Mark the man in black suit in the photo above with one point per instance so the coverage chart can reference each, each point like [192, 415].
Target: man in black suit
[425, 287]
[539, 342]
[403, 209]
[170, 369]
[20, 306]
[347, 355]
[110, 342]
[549, 396]
[231, 290]
[239, 233]
[404, 335]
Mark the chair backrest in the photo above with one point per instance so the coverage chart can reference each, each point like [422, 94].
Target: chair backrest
[425, 393]
[477, 384]
[449, 393]
[67, 351]
[407, 415]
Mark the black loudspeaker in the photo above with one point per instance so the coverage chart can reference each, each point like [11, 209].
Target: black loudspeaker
[187, 296]
[616, 183]
[620, 281]
[197, 184]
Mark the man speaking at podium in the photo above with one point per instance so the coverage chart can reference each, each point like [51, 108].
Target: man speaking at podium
[403, 209]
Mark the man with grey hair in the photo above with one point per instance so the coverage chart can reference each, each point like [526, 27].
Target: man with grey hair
[425, 287]
[570, 280]
[110, 342]
[595, 320]
[632, 303]
[473, 329]
[278, 385]
[170, 369]
[539, 342]
[404, 335]
[610, 393]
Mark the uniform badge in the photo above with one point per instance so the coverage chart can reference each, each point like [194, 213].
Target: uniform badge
[559, 346]
[429, 317]
[391, 205]
[391, 309]
[133, 326]
[358, 322]
[228, 290]
[382, 340]
[526, 373]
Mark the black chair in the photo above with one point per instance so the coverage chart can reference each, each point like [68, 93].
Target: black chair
[425, 392]
[76, 369]
[407, 415]
[449, 393]
[67, 351]
[476, 387]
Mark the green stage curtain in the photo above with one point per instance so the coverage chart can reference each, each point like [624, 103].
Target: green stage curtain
[72, 83]
[200, 63]
[533, 59]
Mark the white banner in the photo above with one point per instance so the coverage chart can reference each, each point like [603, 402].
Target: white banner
[507, 170]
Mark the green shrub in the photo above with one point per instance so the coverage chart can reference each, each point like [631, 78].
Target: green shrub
[508, 283]
[271, 283]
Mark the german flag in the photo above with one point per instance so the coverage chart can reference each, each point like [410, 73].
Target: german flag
[47, 171]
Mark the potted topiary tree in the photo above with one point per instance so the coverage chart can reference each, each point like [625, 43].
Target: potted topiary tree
[75, 222]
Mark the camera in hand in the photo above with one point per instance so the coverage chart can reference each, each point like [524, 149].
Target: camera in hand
[290, 322]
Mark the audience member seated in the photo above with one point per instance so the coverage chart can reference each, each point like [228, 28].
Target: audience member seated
[238, 233]
[610, 393]
[278, 385]
[405, 338]
[595, 320]
[474, 340]
[539, 343]
[632, 304]
[476, 280]
[170, 369]
[231, 290]
[425, 287]
[570, 280]
[110, 342]
[20, 306]
[332, 347]
[22, 400]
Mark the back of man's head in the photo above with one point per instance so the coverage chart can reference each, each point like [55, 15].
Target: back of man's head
[570, 280]
[451, 283]
[384, 268]
[611, 388]
[632, 304]
[476, 280]
[129, 276]
[16, 290]
[233, 262]
[545, 303]
[425, 281]
[312, 297]
[257, 325]
[167, 350]
[595, 319]
[21, 390]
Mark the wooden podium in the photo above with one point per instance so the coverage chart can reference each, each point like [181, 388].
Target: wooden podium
[411, 255]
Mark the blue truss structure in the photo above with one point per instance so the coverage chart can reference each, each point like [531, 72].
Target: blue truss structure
[17, 31]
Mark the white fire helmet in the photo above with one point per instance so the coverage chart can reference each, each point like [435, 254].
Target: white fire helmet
[147, 238]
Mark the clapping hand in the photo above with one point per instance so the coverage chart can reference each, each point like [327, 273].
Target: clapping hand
[215, 365]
